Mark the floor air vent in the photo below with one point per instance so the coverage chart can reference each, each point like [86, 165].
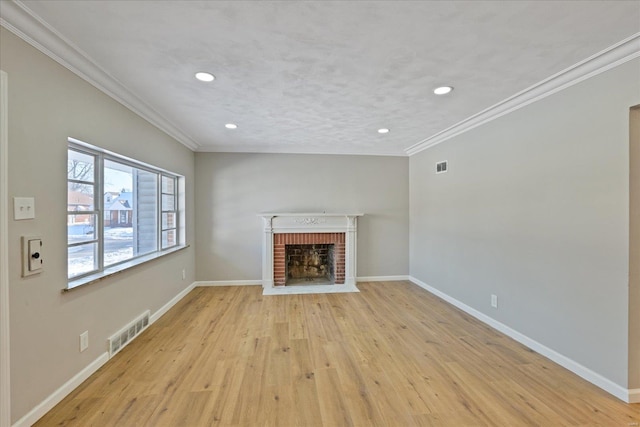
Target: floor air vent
[128, 333]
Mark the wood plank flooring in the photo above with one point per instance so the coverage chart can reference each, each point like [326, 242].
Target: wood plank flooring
[391, 355]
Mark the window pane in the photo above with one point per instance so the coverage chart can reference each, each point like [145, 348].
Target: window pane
[79, 197]
[168, 239]
[168, 202]
[131, 203]
[118, 212]
[81, 228]
[118, 244]
[82, 259]
[118, 178]
[168, 220]
[146, 212]
[168, 185]
[80, 166]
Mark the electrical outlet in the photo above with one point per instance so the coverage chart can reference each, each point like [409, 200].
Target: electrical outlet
[494, 301]
[84, 341]
[184, 274]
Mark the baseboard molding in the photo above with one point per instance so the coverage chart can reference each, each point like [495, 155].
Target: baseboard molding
[162, 310]
[634, 395]
[259, 282]
[45, 406]
[56, 397]
[381, 278]
[229, 283]
[578, 369]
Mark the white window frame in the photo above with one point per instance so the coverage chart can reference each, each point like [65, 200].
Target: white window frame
[101, 271]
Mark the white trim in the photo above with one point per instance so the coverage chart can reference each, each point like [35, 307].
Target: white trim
[229, 283]
[578, 369]
[381, 278]
[633, 395]
[56, 397]
[5, 388]
[310, 289]
[624, 51]
[46, 405]
[162, 310]
[289, 150]
[294, 222]
[20, 20]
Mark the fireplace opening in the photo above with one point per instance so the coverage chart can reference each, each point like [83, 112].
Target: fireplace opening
[334, 263]
[310, 264]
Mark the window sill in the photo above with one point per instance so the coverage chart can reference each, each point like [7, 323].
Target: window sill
[112, 271]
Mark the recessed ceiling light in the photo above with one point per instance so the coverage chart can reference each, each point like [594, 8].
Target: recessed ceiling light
[442, 90]
[383, 130]
[205, 77]
[231, 126]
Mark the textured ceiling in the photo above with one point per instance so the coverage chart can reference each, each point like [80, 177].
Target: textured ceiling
[323, 76]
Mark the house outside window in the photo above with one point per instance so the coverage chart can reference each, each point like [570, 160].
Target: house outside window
[118, 210]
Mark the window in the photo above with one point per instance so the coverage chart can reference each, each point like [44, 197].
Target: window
[169, 212]
[118, 211]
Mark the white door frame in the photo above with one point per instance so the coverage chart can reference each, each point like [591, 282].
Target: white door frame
[5, 388]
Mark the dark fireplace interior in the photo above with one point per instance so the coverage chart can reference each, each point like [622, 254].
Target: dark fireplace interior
[310, 264]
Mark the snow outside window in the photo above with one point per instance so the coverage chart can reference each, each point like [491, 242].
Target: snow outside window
[118, 210]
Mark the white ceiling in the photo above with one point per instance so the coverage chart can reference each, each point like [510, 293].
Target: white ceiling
[323, 76]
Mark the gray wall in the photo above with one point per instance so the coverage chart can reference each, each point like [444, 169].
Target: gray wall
[231, 189]
[47, 104]
[535, 209]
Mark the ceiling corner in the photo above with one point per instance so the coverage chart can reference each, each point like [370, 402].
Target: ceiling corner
[611, 57]
[18, 18]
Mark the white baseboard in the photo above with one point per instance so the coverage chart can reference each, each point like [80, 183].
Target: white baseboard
[381, 278]
[45, 406]
[259, 282]
[634, 395]
[593, 377]
[56, 397]
[229, 283]
[162, 310]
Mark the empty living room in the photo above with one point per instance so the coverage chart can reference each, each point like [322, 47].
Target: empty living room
[319, 213]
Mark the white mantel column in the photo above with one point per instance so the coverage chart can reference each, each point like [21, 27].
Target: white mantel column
[350, 250]
[267, 253]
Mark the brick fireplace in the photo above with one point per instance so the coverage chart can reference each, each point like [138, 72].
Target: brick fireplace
[322, 249]
[287, 267]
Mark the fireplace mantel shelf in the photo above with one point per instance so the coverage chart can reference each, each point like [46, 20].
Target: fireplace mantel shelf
[309, 222]
[308, 214]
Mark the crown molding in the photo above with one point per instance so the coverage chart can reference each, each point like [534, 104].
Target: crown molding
[272, 150]
[21, 21]
[624, 51]
[17, 18]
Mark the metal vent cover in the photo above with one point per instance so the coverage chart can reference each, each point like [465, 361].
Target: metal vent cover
[125, 335]
[442, 167]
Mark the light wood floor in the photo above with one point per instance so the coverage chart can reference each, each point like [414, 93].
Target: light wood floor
[392, 355]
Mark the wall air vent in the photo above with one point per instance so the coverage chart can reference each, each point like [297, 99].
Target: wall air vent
[441, 167]
[128, 333]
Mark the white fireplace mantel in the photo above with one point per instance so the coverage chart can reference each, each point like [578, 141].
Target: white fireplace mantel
[309, 223]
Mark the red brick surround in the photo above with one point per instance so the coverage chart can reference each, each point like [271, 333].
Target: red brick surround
[282, 239]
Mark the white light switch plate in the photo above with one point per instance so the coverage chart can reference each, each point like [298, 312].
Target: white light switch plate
[24, 208]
